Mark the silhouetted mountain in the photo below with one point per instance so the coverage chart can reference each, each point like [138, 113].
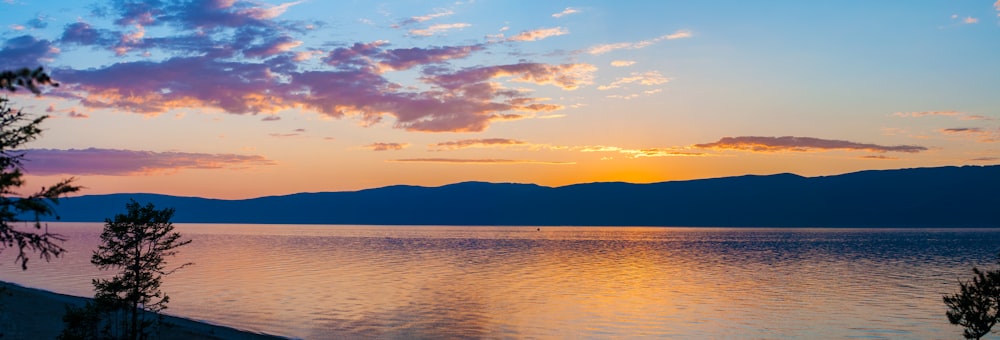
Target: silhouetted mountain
[966, 196]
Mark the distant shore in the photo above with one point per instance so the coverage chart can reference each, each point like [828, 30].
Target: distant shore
[28, 313]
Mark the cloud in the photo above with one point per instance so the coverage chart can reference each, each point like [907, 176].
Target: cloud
[387, 146]
[566, 76]
[418, 19]
[74, 114]
[789, 143]
[985, 136]
[473, 143]
[970, 20]
[539, 34]
[294, 133]
[950, 113]
[605, 48]
[234, 57]
[645, 152]
[649, 78]
[878, 157]
[963, 130]
[439, 28]
[270, 118]
[477, 161]
[622, 63]
[27, 51]
[114, 162]
[406, 58]
[926, 113]
[565, 12]
[985, 159]
[262, 13]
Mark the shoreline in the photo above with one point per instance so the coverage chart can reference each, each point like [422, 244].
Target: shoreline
[31, 313]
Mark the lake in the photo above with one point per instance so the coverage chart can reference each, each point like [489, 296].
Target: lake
[320, 282]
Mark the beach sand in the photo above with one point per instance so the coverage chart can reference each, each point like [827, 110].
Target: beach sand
[27, 313]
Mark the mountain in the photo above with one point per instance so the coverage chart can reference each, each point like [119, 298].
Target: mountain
[967, 196]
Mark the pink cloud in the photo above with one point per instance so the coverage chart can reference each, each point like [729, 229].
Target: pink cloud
[605, 48]
[439, 28]
[789, 143]
[927, 113]
[539, 34]
[271, 12]
[387, 146]
[112, 162]
[418, 19]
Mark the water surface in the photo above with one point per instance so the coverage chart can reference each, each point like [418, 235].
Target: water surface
[318, 282]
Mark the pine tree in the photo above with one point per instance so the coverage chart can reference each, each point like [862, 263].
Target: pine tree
[136, 244]
[977, 304]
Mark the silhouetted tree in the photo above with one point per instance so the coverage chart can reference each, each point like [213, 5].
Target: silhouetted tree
[16, 129]
[977, 304]
[136, 244]
[26, 78]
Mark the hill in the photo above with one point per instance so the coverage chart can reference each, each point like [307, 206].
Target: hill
[922, 197]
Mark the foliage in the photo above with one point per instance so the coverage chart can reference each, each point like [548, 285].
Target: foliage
[977, 304]
[136, 244]
[82, 323]
[26, 78]
[16, 129]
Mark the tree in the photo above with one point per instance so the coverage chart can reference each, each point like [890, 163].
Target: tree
[26, 78]
[977, 304]
[136, 244]
[16, 129]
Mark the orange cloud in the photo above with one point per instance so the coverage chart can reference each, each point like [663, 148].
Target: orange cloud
[622, 63]
[646, 152]
[649, 78]
[477, 161]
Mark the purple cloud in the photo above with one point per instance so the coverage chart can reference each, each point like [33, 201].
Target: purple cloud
[789, 143]
[386, 146]
[112, 162]
[26, 51]
[235, 57]
[471, 143]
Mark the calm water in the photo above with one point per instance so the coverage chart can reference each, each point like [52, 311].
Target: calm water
[318, 282]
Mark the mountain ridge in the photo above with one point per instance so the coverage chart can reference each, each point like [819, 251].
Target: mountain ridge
[916, 197]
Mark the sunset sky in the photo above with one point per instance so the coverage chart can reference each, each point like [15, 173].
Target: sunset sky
[239, 99]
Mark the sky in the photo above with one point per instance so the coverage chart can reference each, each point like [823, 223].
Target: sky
[238, 99]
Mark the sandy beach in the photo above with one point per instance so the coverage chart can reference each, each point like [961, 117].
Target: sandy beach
[27, 313]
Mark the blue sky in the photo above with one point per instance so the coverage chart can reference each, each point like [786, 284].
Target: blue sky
[240, 99]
